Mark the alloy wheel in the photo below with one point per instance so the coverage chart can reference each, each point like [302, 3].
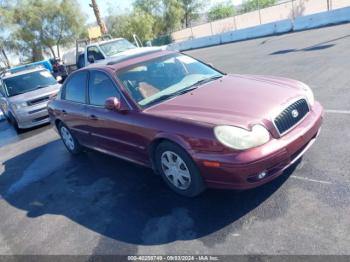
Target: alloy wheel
[67, 138]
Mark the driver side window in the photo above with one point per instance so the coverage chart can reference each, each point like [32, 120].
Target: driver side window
[95, 52]
[101, 87]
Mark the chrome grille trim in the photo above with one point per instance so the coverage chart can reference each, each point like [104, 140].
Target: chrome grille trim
[284, 122]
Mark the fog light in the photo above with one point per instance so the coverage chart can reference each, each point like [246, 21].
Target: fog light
[262, 175]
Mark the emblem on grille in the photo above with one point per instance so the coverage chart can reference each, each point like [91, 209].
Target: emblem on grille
[295, 113]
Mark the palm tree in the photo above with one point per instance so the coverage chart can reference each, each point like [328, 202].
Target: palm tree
[100, 23]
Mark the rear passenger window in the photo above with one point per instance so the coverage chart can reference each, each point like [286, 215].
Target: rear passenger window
[101, 87]
[75, 89]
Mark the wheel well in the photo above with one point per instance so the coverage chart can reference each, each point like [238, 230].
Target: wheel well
[57, 122]
[152, 150]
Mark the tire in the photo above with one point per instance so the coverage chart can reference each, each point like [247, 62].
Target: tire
[68, 139]
[12, 120]
[178, 170]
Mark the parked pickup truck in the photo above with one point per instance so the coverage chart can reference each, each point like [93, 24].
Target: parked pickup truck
[89, 51]
[103, 50]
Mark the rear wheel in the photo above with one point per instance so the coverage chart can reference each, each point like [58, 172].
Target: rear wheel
[69, 140]
[178, 170]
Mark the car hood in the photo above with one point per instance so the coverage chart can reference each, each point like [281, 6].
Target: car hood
[42, 92]
[239, 100]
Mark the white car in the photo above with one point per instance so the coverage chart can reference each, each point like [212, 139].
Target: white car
[24, 96]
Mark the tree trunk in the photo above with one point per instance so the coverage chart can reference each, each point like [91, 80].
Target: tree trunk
[37, 54]
[98, 17]
[58, 51]
[6, 60]
[52, 51]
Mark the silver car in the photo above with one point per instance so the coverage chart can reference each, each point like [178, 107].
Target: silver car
[24, 96]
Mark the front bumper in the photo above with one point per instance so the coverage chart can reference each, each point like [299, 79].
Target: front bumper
[239, 170]
[32, 116]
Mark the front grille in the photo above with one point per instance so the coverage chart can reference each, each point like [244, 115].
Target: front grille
[39, 119]
[291, 115]
[37, 110]
[38, 100]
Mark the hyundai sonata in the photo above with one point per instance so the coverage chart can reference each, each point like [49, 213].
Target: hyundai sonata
[194, 125]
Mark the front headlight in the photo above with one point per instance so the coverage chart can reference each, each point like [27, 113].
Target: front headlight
[19, 105]
[309, 94]
[239, 138]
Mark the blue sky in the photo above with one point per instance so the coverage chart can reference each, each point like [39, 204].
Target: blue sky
[104, 5]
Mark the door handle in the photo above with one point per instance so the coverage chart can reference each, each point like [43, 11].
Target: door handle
[93, 117]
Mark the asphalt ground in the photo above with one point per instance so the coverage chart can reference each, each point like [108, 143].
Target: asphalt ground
[54, 203]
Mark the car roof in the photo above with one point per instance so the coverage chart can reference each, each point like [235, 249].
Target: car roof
[22, 72]
[126, 60]
[105, 41]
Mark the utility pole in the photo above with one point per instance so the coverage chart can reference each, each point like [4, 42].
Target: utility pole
[100, 23]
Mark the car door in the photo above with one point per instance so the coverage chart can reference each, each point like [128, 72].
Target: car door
[73, 106]
[111, 131]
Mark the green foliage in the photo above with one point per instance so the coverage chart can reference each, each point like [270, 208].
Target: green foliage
[138, 22]
[191, 10]
[251, 5]
[162, 40]
[43, 24]
[221, 11]
[173, 15]
[153, 18]
[152, 7]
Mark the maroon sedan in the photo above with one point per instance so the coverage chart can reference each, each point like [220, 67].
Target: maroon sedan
[194, 125]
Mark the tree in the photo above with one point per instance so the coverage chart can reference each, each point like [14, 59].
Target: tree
[152, 18]
[152, 7]
[100, 23]
[251, 5]
[191, 10]
[138, 22]
[173, 15]
[44, 24]
[221, 11]
[4, 43]
[155, 9]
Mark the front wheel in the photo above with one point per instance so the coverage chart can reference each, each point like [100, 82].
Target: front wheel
[13, 121]
[69, 140]
[178, 170]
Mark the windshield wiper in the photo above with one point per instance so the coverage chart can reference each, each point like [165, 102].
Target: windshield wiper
[205, 80]
[185, 90]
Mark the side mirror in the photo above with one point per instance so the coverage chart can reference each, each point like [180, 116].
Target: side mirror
[113, 103]
[91, 59]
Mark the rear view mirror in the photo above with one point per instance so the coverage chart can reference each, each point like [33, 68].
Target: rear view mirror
[113, 103]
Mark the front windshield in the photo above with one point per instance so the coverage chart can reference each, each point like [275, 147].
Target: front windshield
[28, 82]
[115, 47]
[153, 80]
